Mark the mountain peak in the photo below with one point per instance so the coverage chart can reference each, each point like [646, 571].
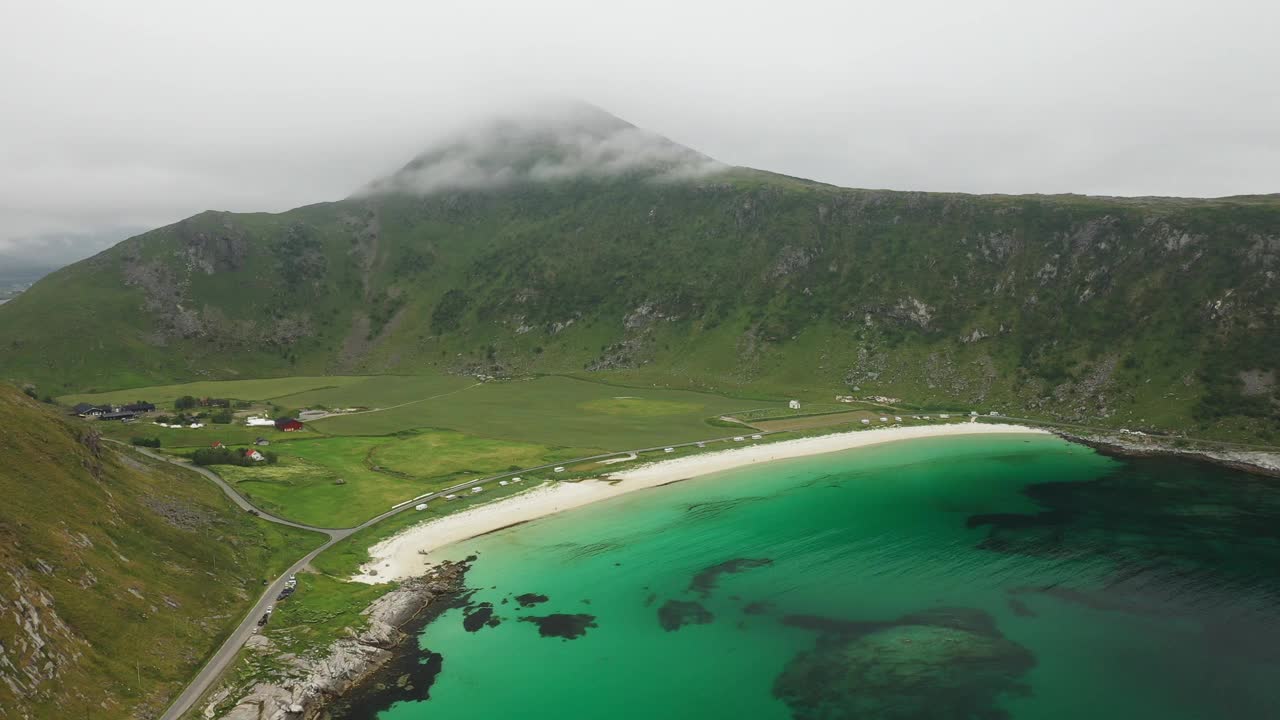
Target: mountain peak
[545, 142]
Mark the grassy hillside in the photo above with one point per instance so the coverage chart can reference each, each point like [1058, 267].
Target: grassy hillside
[1151, 312]
[119, 575]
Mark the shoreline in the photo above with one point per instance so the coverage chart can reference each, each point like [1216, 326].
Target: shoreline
[411, 552]
[1251, 461]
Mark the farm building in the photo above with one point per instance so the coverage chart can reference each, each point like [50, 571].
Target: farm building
[139, 407]
[119, 415]
[288, 425]
[87, 410]
[794, 404]
[254, 421]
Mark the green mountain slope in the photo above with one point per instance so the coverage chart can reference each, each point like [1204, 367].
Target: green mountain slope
[117, 577]
[607, 250]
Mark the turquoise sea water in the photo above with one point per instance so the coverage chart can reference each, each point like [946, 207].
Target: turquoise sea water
[954, 578]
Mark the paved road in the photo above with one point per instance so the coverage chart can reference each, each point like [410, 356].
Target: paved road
[226, 654]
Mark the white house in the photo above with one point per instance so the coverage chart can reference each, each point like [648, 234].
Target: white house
[884, 419]
[667, 450]
[254, 421]
[515, 479]
[945, 417]
[477, 489]
[503, 483]
[794, 404]
[559, 468]
[866, 421]
[450, 497]
[420, 506]
[897, 419]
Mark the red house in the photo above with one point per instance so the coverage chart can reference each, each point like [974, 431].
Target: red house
[288, 425]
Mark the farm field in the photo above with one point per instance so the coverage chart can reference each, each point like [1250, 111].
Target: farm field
[262, 389]
[807, 422]
[378, 391]
[427, 432]
[552, 410]
[376, 472]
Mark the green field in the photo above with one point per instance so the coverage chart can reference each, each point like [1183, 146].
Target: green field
[380, 391]
[551, 410]
[263, 389]
[377, 472]
[417, 434]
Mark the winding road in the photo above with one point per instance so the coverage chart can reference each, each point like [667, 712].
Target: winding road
[226, 654]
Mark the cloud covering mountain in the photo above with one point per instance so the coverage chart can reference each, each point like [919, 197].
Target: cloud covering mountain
[547, 142]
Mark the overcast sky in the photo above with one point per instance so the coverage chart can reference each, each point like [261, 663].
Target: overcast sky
[138, 113]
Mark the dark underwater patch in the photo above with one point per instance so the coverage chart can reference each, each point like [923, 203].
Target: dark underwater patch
[675, 614]
[707, 579]
[530, 599]
[939, 664]
[562, 625]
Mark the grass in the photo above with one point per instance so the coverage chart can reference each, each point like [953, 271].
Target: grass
[773, 413]
[380, 391]
[805, 422]
[322, 609]
[260, 389]
[377, 472]
[556, 410]
[149, 566]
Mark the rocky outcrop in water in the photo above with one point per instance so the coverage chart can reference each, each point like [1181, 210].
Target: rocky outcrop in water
[308, 686]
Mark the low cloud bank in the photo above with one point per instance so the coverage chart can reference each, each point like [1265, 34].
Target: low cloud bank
[545, 145]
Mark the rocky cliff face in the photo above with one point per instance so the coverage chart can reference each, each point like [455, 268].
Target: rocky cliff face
[39, 645]
[303, 688]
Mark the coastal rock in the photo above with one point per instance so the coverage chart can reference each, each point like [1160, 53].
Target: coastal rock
[304, 690]
[1138, 444]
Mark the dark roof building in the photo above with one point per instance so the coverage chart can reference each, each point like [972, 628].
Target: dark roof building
[139, 407]
[121, 415]
[288, 425]
[88, 410]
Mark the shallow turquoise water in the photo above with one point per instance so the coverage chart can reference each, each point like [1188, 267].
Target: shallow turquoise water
[1074, 585]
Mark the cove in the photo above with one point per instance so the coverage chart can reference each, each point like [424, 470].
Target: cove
[1017, 577]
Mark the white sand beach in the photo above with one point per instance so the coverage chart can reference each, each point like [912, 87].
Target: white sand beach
[407, 553]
